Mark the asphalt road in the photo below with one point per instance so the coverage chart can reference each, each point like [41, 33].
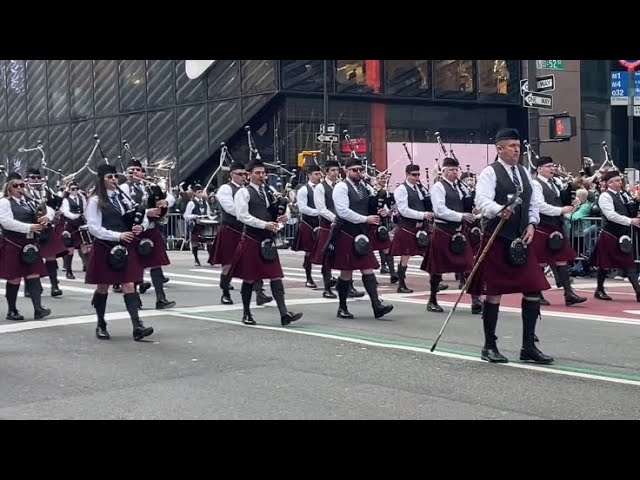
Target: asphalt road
[202, 363]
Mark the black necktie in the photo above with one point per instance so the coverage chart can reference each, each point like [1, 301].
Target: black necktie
[360, 190]
[263, 196]
[25, 205]
[516, 182]
[115, 202]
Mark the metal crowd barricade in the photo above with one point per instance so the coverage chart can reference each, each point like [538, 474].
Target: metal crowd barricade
[583, 234]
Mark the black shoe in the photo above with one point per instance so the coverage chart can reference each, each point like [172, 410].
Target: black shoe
[14, 315]
[404, 289]
[493, 355]
[394, 278]
[70, 275]
[344, 313]
[544, 301]
[532, 354]
[43, 312]
[140, 332]
[600, 295]
[226, 300]
[332, 283]
[101, 333]
[248, 320]
[442, 286]
[353, 293]
[434, 307]
[117, 288]
[384, 270]
[163, 304]
[476, 308]
[165, 279]
[572, 299]
[144, 286]
[382, 309]
[262, 298]
[290, 317]
[329, 294]
[311, 284]
[56, 292]
[197, 263]
[230, 287]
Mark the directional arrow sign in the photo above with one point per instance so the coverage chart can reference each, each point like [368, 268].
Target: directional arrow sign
[546, 83]
[537, 100]
[322, 138]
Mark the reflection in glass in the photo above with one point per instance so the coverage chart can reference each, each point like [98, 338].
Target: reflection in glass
[17, 72]
[358, 76]
[407, 77]
[493, 76]
[453, 76]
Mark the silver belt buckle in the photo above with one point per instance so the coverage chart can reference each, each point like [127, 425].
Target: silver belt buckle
[30, 235]
[419, 224]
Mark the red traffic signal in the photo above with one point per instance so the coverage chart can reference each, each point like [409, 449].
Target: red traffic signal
[562, 127]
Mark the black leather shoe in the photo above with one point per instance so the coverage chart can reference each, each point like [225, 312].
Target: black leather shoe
[14, 315]
[248, 320]
[230, 287]
[493, 355]
[353, 293]
[43, 312]
[442, 286]
[573, 299]
[344, 313]
[290, 317]
[329, 294]
[163, 304]
[144, 286]
[140, 332]
[404, 289]
[70, 275]
[384, 270]
[101, 333]
[117, 288]
[56, 292]
[600, 295]
[226, 300]
[434, 307]
[311, 284]
[382, 309]
[165, 279]
[532, 354]
[544, 301]
[476, 308]
[394, 278]
[262, 298]
[333, 282]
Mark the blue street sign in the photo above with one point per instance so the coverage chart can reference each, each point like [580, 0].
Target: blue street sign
[620, 83]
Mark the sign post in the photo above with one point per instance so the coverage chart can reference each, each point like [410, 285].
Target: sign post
[631, 66]
[534, 129]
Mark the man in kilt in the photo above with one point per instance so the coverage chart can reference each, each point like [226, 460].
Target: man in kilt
[509, 266]
[352, 249]
[450, 249]
[550, 243]
[256, 257]
[114, 258]
[20, 228]
[197, 206]
[309, 221]
[72, 209]
[410, 236]
[613, 248]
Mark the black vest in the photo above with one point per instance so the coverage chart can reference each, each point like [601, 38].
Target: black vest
[21, 214]
[551, 198]
[76, 207]
[135, 192]
[227, 218]
[112, 219]
[358, 205]
[620, 208]
[452, 201]
[328, 197]
[258, 208]
[517, 223]
[414, 203]
[313, 221]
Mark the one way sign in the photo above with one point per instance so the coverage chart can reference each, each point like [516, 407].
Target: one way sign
[537, 100]
[546, 83]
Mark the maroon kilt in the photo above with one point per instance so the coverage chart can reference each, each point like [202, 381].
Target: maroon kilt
[317, 253]
[375, 243]
[158, 256]
[474, 246]
[10, 264]
[195, 234]
[404, 242]
[345, 257]
[440, 259]
[99, 271]
[54, 246]
[72, 226]
[304, 238]
[607, 254]
[495, 276]
[544, 254]
[224, 248]
[248, 263]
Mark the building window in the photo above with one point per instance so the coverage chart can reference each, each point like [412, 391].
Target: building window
[408, 77]
[358, 76]
[498, 80]
[453, 78]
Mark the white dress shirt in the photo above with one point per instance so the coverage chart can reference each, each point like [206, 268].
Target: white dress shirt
[341, 202]
[605, 202]
[224, 196]
[321, 206]
[546, 208]
[438, 199]
[11, 224]
[401, 198]
[189, 216]
[65, 208]
[303, 200]
[241, 203]
[94, 219]
[486, 192]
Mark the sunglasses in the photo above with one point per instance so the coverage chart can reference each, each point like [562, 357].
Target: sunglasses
[357, 170]
[74, 189]
[131, 170]
[239, 173]
[34, 177]
[110, 176]
[18, 185]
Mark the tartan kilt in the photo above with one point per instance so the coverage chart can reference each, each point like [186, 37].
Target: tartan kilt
[345, 257]
[158, 256]
[496, 276]
[440, 259]
[248, 263]
[606, 253]
[377, 244]
[404, 242]
[317, 254]
[72, 228]
[224, 248]
[304, 238]
[54, 246]
[543, 253]
[99, 271]
[10, 264]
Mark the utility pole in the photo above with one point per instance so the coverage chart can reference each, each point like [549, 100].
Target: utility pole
[630, 116]
[534, 131]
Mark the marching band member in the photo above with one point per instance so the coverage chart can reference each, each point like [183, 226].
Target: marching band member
[256, 257]
[352, 245]
[198, 206]
[73, 208]
[550, 243]
[113, 258]
[17, 218]
[614, 248]
[309, 220]
[379, 234]
[509, 266]
[407, 241]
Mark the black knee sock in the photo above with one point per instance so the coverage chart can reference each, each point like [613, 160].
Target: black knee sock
[11, 292]
[564, 278]
[67, 259]
[343, 292]
[245, 293]
[194, 250]
[371, 286]
[34, 287]
[225, 280]
[326, 276]
[489, 323]
[52, 271]
[307, 268]
[132, 302]
[530, 313]
[277, 289]
[601, 276]
[434, 282]
[632, 275]
[157, 279]
[99, 302]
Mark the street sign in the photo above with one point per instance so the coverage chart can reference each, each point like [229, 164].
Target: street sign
[327, 138]
[330, 128]
[636, 111]
[538, 100]
[546, 83]
[620, 88]
[550, 64]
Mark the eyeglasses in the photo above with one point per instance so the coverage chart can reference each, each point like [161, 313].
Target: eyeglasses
[74, 189]
[18, 185]
[132, 170]
[357, 170]
[110, 176]
[240, 173]
[34, 177]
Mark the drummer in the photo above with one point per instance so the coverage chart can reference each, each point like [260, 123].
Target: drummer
[197, 210]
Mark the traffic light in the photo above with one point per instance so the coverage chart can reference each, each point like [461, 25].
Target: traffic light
[562, 127]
